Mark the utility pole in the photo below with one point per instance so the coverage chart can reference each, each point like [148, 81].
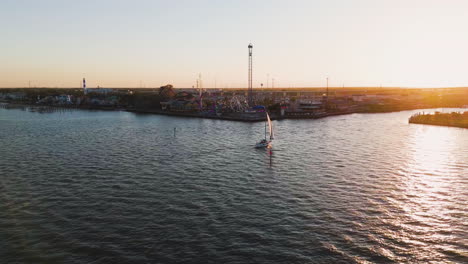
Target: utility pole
[201, 83]
[327, 96]
[327, 88]
[200, 91]
[268, 80]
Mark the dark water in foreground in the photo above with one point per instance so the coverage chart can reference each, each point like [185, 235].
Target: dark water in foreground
[115, 187]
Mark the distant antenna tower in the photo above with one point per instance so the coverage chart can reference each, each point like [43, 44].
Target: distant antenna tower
[250, 91]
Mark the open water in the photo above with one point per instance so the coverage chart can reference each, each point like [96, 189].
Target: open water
[117, 187]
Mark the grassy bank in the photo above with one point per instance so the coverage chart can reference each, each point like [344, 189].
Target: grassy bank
[454, 119]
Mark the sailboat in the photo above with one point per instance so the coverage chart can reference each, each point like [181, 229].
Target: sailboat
[264, 143]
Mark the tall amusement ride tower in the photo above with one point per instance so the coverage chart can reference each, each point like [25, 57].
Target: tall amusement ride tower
[250, 91]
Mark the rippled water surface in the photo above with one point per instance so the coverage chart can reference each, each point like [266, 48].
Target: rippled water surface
[116, 187]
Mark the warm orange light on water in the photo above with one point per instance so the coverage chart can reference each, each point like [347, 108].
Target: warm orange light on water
[429, 183]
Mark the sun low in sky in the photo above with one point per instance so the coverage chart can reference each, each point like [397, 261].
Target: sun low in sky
[148, 43]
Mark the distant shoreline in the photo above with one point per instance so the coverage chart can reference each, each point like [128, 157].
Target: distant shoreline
[232, 106]
[235, 116]
[453, 119]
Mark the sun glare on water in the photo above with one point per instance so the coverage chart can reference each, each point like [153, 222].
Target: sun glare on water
[430, 185]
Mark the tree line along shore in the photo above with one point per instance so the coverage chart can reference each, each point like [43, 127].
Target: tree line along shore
[453, 119]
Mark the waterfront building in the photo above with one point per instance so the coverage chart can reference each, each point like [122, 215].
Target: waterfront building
[99, 90]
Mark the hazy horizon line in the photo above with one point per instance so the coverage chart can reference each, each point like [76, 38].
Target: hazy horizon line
[245, 88]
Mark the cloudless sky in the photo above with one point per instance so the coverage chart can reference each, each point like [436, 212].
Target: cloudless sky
[128, 43]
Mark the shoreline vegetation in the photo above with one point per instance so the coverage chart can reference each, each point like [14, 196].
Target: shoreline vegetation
[454, 119]
[231, 104]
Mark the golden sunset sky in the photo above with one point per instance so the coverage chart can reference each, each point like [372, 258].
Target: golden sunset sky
[117, 43]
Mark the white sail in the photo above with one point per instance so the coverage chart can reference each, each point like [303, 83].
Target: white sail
[270, 126]
[264, 143]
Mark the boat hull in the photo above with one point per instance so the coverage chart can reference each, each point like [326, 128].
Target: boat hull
[263, 145]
